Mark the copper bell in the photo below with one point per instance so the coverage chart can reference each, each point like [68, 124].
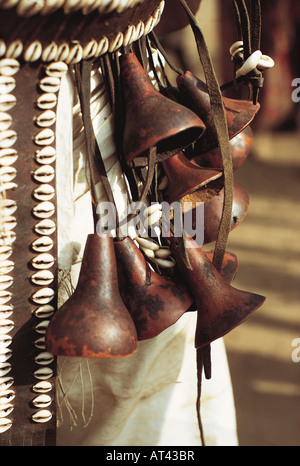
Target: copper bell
[221, 307]
[185, 177]
[155, 302]
[240, 147]
[230, 265]
[94, 321]
[151, 119]
[213, 210]
[239, 113]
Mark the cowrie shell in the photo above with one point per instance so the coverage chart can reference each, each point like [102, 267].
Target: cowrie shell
[46, 119]
[6, 326]
[45, 227]
[7, 102]
[8, 206]
[265, 62]
[8, 156]
[250, 64]
[45, 192]
[49, 84]
[7, 138]
[15, 49]
[5, 121]
[6, 383]
[45, 358]
[6, 311]
[7, 397]
[5, 296]
[43, 373]
[163, 253]
[44, 137]
[41, 327]
[42, 387]
[44, 415]
[5, 252]
[163, 263]
[49, 53]
[9, 66]
[6, 267]
[33, 51]
[5, 355]
[5, 424]
[9, 223]
[5, 341]
[43, 261]
[6, 410]
[7, 84]
[44, 312]
[42, 401]
[42, 244]
[237, 45]
[7, 174]
[5, 282]
[147, 243]
[46, 155]
[56, 69]
[149, 252]
[40, 343]
[5, 368]
[75, 54]
[63, 52]
[46, 101]
[43, 296]
[152, 209]
[42, 278]
[44, 209]
[29, 8]
[44, 174]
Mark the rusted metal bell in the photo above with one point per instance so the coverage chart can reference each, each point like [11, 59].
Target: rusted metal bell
[230, 265]
[151, 119]
[154, 302]
[214, 208]
[221, 307]
[239, 113]
[240, 147]
[185, 177]
[94, 322]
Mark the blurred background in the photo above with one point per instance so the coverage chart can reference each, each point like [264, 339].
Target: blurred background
[266, 381]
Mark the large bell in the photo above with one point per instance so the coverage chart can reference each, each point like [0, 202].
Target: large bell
[240, 147]
[155, 302]
[94, 321]
[239, 113]
[151, 119]
[221, 307]
[185, 177]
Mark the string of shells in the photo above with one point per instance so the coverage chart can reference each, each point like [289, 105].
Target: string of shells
[27, 8]
[153, 250]
[43, 211]
[8, 207]
[73, 52]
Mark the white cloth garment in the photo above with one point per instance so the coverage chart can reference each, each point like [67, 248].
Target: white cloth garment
[148, 398]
